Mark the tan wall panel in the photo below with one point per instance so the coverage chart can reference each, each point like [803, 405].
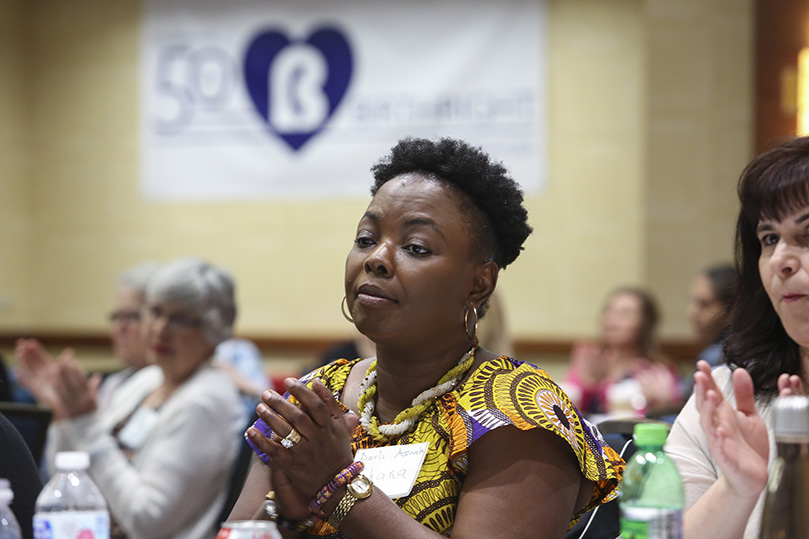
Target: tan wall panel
[15, 155]
[700, 133]
[588, 224]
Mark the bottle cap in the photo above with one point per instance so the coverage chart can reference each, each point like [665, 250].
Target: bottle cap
[72, 460]
[791, 416]
[650, 434]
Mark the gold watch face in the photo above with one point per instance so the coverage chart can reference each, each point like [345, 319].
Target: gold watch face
[360, 487]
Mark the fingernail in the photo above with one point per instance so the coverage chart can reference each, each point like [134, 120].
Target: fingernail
[289, 382]
[262, 408]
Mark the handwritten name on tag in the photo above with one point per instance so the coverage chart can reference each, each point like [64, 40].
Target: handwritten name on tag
[393, 469]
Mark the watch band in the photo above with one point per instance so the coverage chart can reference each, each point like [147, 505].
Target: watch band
[357, 489]
[340, 512]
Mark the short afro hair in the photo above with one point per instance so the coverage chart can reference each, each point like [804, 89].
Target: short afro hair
[485, 182]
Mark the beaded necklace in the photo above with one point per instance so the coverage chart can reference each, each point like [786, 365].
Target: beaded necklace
[407, 417]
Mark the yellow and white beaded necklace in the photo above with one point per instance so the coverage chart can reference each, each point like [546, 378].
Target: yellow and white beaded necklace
[405, 420]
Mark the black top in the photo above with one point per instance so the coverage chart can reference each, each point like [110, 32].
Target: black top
[5, 383]
[343, 350]
[17, 465]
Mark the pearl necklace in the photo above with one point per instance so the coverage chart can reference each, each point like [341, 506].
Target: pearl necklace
[405, 420]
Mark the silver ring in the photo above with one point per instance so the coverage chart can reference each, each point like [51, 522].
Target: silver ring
[291, 439]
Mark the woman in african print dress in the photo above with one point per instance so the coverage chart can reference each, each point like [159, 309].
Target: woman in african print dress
[443, 220]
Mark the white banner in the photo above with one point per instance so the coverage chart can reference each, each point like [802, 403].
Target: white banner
[247, 99]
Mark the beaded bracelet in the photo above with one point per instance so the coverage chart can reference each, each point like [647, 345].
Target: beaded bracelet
[291, 525]
[294, 525]
[342, 478]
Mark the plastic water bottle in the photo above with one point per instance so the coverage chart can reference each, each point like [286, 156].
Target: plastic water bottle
[787, 499]
[652, 495]
[71, 506]
[9, 527]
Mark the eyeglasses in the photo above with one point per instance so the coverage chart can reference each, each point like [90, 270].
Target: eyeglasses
[175, 320]
[124, 317]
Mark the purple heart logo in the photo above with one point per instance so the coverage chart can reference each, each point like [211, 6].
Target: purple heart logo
[297, 85]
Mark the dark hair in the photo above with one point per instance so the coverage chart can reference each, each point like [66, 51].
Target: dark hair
[649, 318]
[723, 282]
[497, 198]
[772, 186]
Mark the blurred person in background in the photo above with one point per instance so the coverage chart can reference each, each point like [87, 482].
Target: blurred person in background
[242, 361]
[6, 382]
[359, 346]
[163, 450]
[623, 372]
[128, 346]
[493, 330]
[708, 311]
[711, 295]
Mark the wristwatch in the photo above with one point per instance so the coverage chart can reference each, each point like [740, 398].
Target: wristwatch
[359, 488]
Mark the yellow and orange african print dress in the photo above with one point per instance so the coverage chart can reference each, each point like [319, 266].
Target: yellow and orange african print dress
[501, 392]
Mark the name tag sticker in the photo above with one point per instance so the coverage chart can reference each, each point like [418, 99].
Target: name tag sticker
[393, 469]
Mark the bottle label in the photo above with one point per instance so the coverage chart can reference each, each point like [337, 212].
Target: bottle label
[72, 525]
[249, 529]
[651, 523]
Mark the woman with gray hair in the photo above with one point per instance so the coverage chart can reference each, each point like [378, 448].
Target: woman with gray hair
[128, 346]
[163, 451]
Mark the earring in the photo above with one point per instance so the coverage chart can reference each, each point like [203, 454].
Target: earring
[343, 309]
[472, 333]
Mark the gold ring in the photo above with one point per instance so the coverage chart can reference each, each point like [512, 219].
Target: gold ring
[291, 439]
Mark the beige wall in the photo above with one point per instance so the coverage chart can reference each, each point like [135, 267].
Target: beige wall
[588, 225]
[650, 122]
[700, 135]
[15, 206]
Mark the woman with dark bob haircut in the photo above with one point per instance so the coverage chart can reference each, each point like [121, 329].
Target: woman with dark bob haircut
[455, 438]
[725, 463]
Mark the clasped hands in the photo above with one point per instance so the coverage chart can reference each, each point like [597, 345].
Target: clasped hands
[300, 470]
[60, 384]
[593, 367]
[737, 436]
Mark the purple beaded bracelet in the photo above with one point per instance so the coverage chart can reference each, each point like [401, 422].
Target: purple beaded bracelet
[350, 472]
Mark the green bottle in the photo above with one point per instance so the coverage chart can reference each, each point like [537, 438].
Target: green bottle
[652, 496]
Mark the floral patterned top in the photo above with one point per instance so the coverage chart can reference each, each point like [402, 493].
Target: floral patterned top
[500, 392]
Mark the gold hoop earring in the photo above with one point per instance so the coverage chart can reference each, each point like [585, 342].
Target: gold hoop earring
[343, 310]
[473, 334]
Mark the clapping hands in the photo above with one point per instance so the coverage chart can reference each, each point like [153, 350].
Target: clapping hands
[738, 437]
[658, 386]
[790, 384]
[60, 384]
[586, 362]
